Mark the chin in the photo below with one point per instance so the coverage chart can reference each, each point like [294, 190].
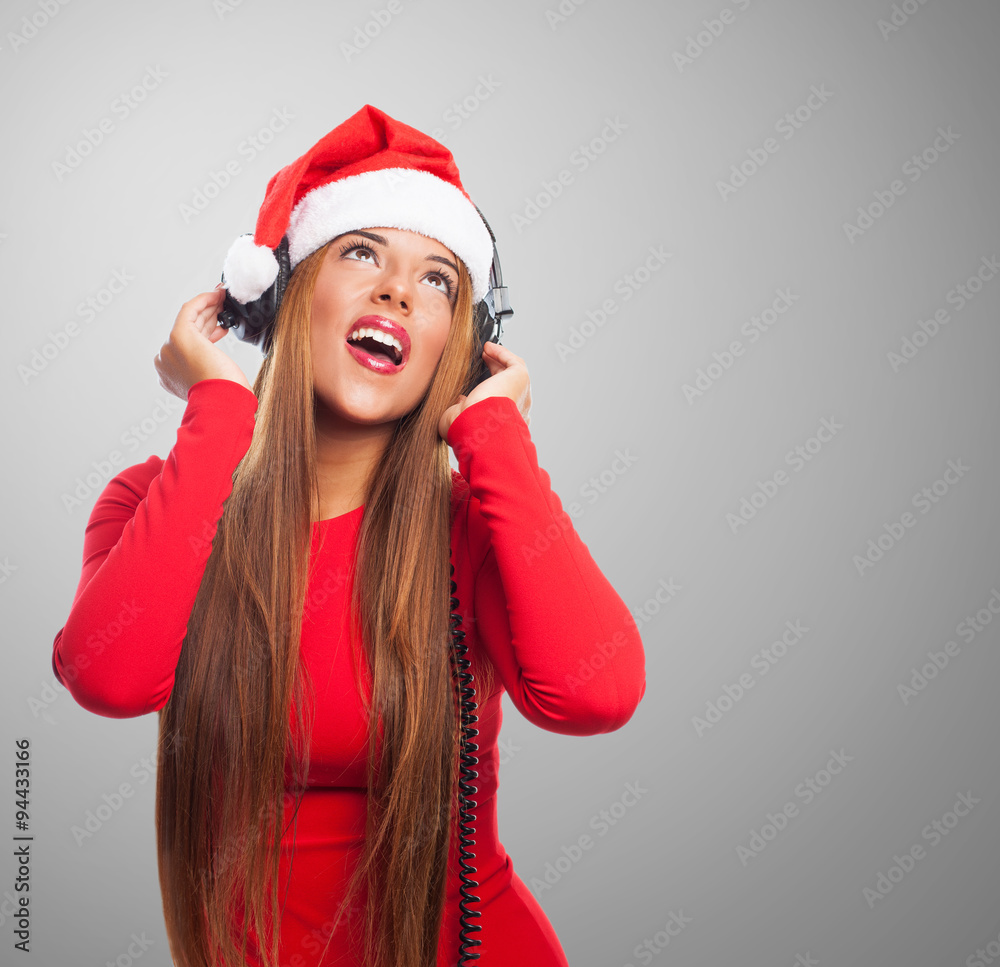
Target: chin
[358, 410]
[377, 420]
[356, 396]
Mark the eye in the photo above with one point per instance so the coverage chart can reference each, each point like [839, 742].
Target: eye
[359, 247]
[446, 284]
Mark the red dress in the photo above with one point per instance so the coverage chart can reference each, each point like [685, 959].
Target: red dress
[563, 644]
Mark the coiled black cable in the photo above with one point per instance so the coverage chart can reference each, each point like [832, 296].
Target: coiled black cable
[469, 761]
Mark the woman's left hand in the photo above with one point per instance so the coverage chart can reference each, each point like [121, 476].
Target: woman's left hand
[508, 377]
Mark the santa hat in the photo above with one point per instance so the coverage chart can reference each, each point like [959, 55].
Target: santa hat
[370, 171]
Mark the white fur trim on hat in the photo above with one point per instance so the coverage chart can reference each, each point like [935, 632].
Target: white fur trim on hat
[249, 269]
[403, 198]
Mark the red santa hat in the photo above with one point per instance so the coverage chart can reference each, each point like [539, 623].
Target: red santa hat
[370, 171]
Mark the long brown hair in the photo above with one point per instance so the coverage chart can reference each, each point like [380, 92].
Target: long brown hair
[226, 732]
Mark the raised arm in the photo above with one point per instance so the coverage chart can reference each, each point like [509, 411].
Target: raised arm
[564, 644]
[145, 549]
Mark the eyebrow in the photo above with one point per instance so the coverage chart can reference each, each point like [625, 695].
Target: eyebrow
[383, 241]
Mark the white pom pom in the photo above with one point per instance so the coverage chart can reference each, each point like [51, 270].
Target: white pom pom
[249, 269]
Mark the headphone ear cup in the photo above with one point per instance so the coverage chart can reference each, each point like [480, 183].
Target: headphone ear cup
[253, 322]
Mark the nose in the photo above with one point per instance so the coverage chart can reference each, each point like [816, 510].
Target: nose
[394, 286]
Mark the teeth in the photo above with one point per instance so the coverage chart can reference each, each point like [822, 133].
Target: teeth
[379, 336]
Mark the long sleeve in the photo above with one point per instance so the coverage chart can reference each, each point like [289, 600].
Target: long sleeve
[146, 546]
[564, 644]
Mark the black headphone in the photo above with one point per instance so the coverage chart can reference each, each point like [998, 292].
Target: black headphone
[253, 322]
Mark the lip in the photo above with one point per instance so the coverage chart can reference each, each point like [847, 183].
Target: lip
[367, 359]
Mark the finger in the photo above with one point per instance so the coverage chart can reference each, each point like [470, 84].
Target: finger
[217, 332]
[195, 308]
[204, 299]
[214, 330]
[494, 363]
[503, 353]
[207, 317]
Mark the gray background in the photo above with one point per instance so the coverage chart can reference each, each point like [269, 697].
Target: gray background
[552, 87]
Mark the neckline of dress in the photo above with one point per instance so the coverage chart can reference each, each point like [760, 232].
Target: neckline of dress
[329, 521]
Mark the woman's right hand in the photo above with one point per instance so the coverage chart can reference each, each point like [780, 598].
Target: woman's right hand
[190, 354]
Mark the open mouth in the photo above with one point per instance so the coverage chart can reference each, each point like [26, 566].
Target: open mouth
[379, 344]
[380, 347]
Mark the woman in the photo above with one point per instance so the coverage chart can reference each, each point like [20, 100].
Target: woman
[285, 575]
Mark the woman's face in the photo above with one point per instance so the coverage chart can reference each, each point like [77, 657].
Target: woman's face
[399, 283]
